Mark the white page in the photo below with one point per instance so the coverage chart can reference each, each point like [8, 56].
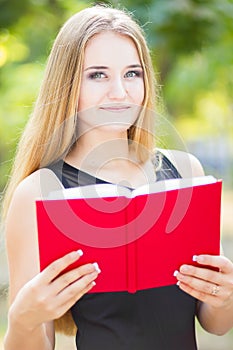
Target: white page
[113, 190]
[91, 191]
[173, 184]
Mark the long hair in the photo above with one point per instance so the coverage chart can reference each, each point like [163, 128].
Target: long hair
[51, 129]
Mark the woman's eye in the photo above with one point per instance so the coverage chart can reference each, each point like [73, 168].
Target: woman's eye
[97, 75]
[133, 73]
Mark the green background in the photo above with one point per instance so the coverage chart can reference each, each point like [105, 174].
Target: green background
[191, 42]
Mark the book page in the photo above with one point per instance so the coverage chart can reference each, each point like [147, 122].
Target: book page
[113, 190]
[172, 184]
[91, 191]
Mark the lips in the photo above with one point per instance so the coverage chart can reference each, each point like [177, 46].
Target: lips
[118, 108]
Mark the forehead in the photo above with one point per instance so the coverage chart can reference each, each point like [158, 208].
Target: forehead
[110, 47]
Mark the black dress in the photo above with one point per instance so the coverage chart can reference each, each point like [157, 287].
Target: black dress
[154, 319]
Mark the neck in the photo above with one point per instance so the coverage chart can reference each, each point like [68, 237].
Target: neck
[94, 151]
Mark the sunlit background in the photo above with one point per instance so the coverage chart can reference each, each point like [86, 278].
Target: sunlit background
[191, 42]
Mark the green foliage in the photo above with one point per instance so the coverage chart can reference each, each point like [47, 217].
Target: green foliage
[27, 30]
[191, 45]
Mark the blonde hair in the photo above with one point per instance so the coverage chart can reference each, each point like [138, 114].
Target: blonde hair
[51, 130]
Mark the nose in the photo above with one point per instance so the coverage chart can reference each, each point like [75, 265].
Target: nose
[117, 90]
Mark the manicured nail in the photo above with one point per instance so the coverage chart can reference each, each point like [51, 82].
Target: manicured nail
[175, 273]
[96, 266]
[194, 257]
[93, 283]
[184, 268]
[201, 259]
[80, 252]
[178, 283]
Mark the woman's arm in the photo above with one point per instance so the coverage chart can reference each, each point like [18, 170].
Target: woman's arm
[213, 289]
[23, 265]
[217, 315]
[37, 298]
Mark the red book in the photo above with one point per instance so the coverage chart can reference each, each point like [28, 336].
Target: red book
[140, 237]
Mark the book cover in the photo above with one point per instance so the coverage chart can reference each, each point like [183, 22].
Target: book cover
[139, 238]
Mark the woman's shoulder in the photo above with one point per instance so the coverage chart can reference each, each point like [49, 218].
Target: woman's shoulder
[20, 219]
[37, 185]
[185, 163]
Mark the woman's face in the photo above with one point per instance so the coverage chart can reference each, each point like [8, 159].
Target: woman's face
[112, 86]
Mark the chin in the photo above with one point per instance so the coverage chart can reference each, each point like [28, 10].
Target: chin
[115, 127]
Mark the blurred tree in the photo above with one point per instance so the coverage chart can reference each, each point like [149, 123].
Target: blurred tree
[27, 30]
[181, 27]
[190, 40]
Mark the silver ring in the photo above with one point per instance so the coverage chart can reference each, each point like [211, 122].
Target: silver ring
[215, 290]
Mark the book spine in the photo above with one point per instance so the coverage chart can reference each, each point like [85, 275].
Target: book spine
[131, 247]
[131, 268]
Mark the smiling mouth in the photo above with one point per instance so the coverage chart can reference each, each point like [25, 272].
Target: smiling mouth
[115, 108]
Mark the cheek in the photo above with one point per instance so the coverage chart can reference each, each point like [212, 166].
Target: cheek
[90, 95]
[137, 92]
[87, 97]
[141, 95]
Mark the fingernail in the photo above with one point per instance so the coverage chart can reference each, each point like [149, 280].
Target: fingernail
[184, 268]
[93, 283]
[194, 257]
[178, 283]
[175, 273]
[96, 266]
[80, 252]
[201, 259]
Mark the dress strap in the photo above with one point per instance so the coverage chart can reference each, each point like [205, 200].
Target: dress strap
[164, 168]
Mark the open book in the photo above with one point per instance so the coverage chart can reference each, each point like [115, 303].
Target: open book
[138, 237]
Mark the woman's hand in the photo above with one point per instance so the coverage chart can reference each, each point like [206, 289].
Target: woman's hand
[207, 285]
[50, 294]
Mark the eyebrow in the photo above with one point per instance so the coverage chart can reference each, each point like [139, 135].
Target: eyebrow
[105, 67]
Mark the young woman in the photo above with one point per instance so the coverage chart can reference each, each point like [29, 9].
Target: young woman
[93, 123]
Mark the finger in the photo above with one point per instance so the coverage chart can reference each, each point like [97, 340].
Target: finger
[190, 271]
[64, 280]
[69, 303]
[219, 261]
[77, 289]
[198, 284]
[200, 294]
[55, 268]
